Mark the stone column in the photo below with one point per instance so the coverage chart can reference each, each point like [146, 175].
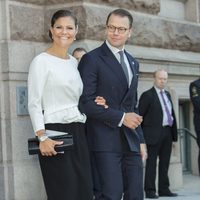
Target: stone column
[5, 148]
[192, 10]
[21, 38]
[199, 11]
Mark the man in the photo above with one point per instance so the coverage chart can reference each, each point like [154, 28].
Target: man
[160, 129]
[114, 134]
[78, 53]
[195, 98]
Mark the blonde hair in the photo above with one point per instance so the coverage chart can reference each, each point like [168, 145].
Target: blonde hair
[159, 70]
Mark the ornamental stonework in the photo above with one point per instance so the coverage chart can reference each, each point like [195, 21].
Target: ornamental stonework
[148, 30]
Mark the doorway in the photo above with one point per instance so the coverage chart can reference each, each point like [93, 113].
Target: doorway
[184, 137]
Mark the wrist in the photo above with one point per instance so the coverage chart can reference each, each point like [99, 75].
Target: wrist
[40, 133]
[42, 138]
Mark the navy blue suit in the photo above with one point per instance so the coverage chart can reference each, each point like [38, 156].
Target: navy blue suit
[115, 149]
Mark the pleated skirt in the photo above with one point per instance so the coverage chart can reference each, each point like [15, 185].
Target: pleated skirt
[68, 176]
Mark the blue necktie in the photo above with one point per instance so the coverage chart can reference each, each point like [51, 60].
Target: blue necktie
[169, 117]
[123, 64]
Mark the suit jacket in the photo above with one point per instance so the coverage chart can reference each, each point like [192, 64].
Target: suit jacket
[195, 98]
[195, 95]
[151, 110]
[103, 75]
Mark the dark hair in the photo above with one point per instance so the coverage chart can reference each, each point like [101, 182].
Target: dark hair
[79, 49]
[122, 13]
[62, 13]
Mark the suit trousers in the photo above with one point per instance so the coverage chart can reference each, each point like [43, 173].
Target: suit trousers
[199, 162]
[197, 130]
[119, 174]
[198, 142]
[161, 150]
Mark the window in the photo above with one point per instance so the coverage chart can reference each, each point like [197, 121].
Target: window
[180, 9]
[172, 9]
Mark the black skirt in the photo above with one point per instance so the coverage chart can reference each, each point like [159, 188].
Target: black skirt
[68, 176]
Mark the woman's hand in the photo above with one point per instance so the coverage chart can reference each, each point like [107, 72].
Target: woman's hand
[101, 101]
[47, 147]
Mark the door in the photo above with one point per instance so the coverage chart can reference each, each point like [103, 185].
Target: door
[185, 140]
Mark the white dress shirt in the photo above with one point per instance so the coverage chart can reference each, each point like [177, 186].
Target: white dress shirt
[115, 51]
[169, 105]
[54, 87]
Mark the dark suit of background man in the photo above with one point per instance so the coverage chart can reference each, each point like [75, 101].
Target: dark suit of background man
[160, 129]
[114, 134]
[195, 98]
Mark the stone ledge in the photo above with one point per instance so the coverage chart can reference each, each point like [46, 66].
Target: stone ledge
[148, 30]
[150, 53]
[16, 56]
[150, 6]
[13, 76]
[38, 2]
[175, 62]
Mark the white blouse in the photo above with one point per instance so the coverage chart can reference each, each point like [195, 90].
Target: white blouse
[54, 86]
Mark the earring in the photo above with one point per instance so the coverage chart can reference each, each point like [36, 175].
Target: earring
[74, 38]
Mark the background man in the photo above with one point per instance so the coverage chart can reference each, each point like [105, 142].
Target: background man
[78, 53]
[159, 127]
[114, 134]
[195, 98]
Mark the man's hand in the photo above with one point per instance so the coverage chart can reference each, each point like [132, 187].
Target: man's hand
[132, 120]
[143, 151]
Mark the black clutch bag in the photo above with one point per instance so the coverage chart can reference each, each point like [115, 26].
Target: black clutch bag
[33, 144]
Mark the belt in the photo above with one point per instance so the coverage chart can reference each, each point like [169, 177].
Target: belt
[167, 126]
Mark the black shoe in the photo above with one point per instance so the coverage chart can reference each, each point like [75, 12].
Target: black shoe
[151, 195]
[168, 194]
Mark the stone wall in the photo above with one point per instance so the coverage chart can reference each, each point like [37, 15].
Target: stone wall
[157, 42]
[150, 6]
[20, 176]
[149, 31]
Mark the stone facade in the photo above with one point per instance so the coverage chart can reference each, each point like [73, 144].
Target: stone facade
[158, 41]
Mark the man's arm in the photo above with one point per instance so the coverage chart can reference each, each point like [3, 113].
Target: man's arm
[144, 103]
[195, 96]
[89, 74]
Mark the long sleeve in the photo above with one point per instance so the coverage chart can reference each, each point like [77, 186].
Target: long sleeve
[36, 82]
[89, 74]
[144, 103]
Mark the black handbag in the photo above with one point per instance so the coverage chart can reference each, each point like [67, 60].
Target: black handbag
[33, 144]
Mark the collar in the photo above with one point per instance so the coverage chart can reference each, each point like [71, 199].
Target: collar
[158, 90]
[113, 49]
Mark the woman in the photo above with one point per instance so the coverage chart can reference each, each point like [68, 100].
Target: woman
[54, 88]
